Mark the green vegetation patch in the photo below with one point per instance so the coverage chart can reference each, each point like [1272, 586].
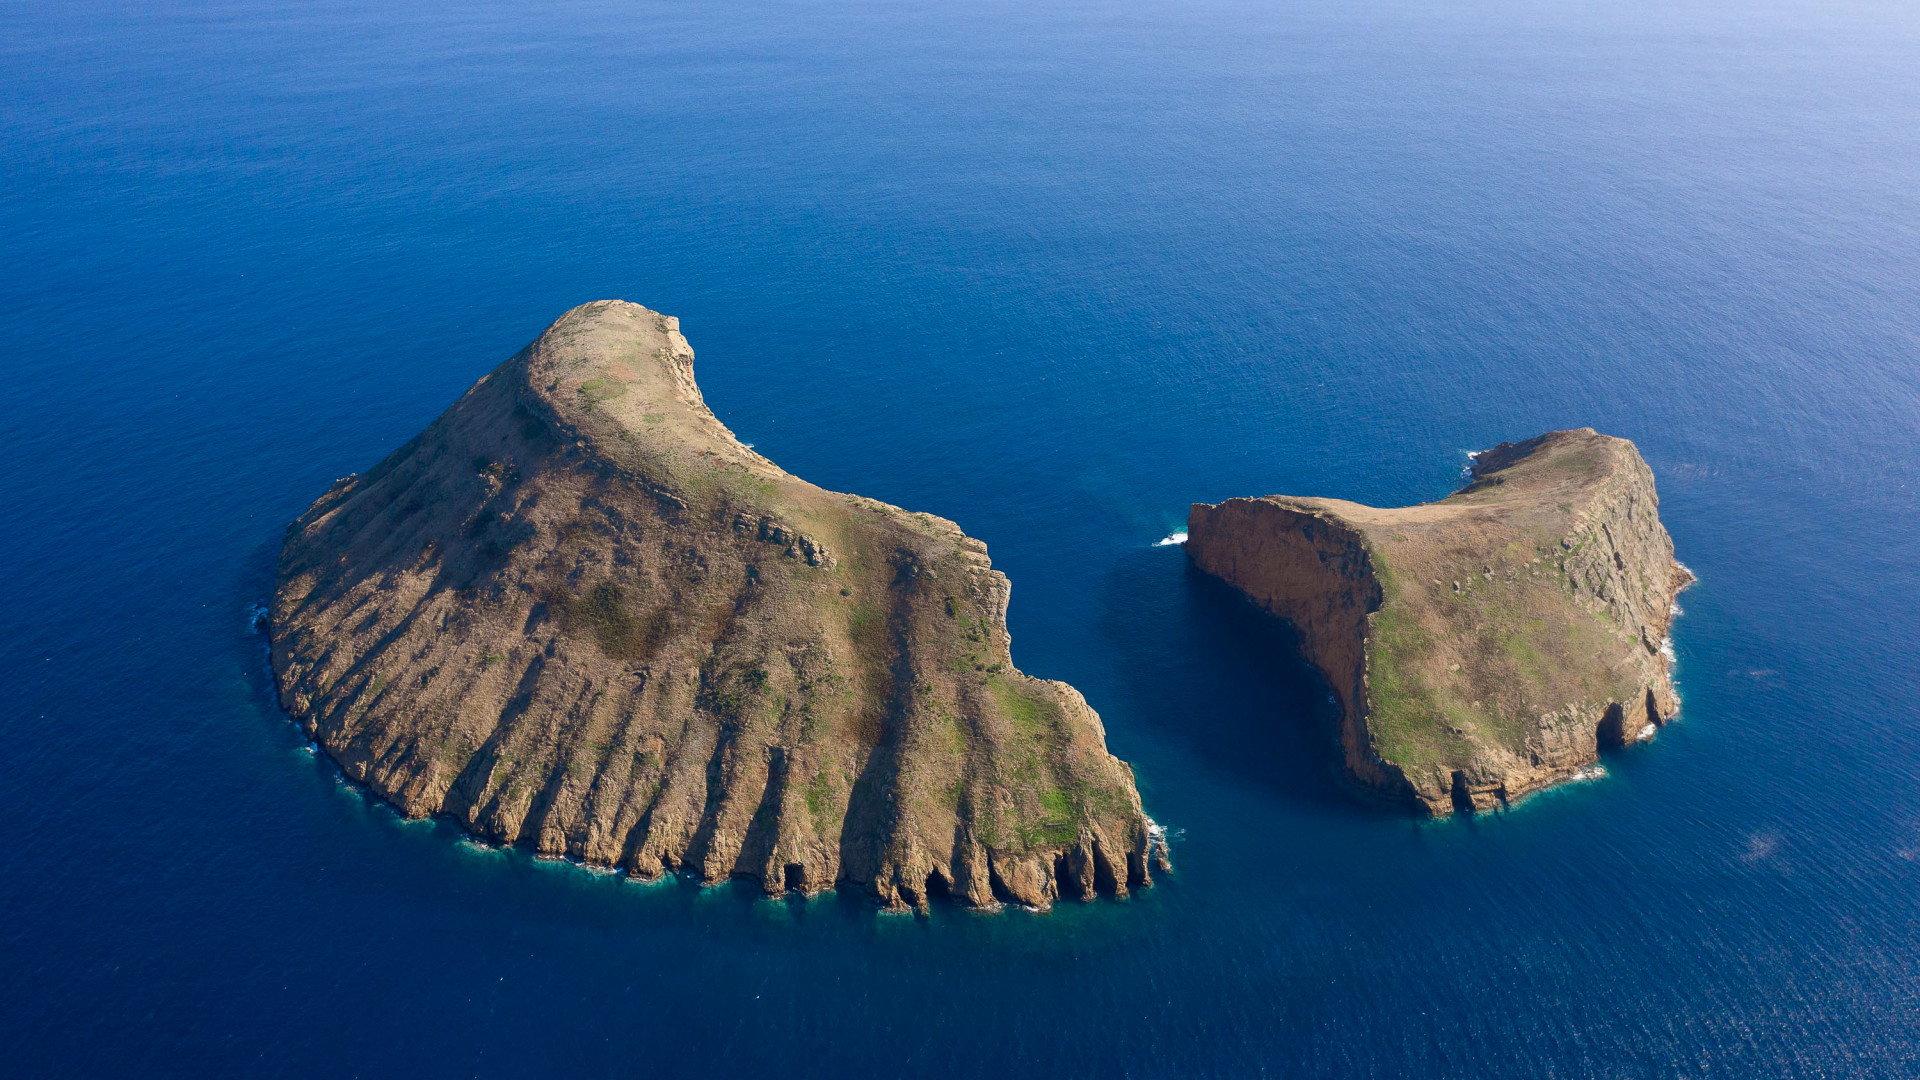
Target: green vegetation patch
[1400, 715]
[825, 806]
[1033, 717]
[1056, 825]
[598, 390]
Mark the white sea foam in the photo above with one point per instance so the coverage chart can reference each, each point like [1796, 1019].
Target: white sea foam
[1666, 650]
[1591, 772]
[1761, 846]
[1466, 471]
[1645, 733]
[1178, 536]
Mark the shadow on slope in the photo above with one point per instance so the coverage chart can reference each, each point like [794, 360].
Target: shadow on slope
[1207, 669]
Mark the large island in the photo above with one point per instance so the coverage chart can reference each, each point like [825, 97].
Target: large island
[1483, 646]
[575, 613]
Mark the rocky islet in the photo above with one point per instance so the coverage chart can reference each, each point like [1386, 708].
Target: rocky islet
[1483, 646]
[575, 613]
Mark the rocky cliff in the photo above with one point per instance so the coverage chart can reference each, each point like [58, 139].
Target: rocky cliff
[1483, 646]
[576, 614]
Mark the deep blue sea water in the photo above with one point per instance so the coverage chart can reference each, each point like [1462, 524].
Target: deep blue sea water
[1053, 270]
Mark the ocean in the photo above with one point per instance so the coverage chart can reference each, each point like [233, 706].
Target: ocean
[1054, 270]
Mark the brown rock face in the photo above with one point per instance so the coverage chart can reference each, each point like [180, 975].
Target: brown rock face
[1483, 646]
[576, 614]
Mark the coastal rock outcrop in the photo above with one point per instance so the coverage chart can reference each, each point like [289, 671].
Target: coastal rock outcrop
[576, 614]
[1483, 646]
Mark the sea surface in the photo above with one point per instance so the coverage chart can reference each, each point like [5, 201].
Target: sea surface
[1054, 270]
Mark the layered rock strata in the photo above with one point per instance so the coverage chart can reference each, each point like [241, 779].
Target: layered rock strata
[1483, 646]
[575, 613]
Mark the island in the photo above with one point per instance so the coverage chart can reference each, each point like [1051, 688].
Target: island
[577, 615]
[1483, 646]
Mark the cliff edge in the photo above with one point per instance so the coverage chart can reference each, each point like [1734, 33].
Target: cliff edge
[575, 613]
[1483, 646]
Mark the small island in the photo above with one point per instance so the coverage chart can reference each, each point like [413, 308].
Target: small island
[576, 614]
[1483, 646]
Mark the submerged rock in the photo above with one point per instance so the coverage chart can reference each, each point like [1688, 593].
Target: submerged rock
[576, 614]
[1485, 645]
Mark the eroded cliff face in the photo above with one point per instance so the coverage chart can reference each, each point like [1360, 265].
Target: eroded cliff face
[575, 613]
[1480, 647]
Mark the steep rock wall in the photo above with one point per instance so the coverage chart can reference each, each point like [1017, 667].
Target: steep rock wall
[1313, 570]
